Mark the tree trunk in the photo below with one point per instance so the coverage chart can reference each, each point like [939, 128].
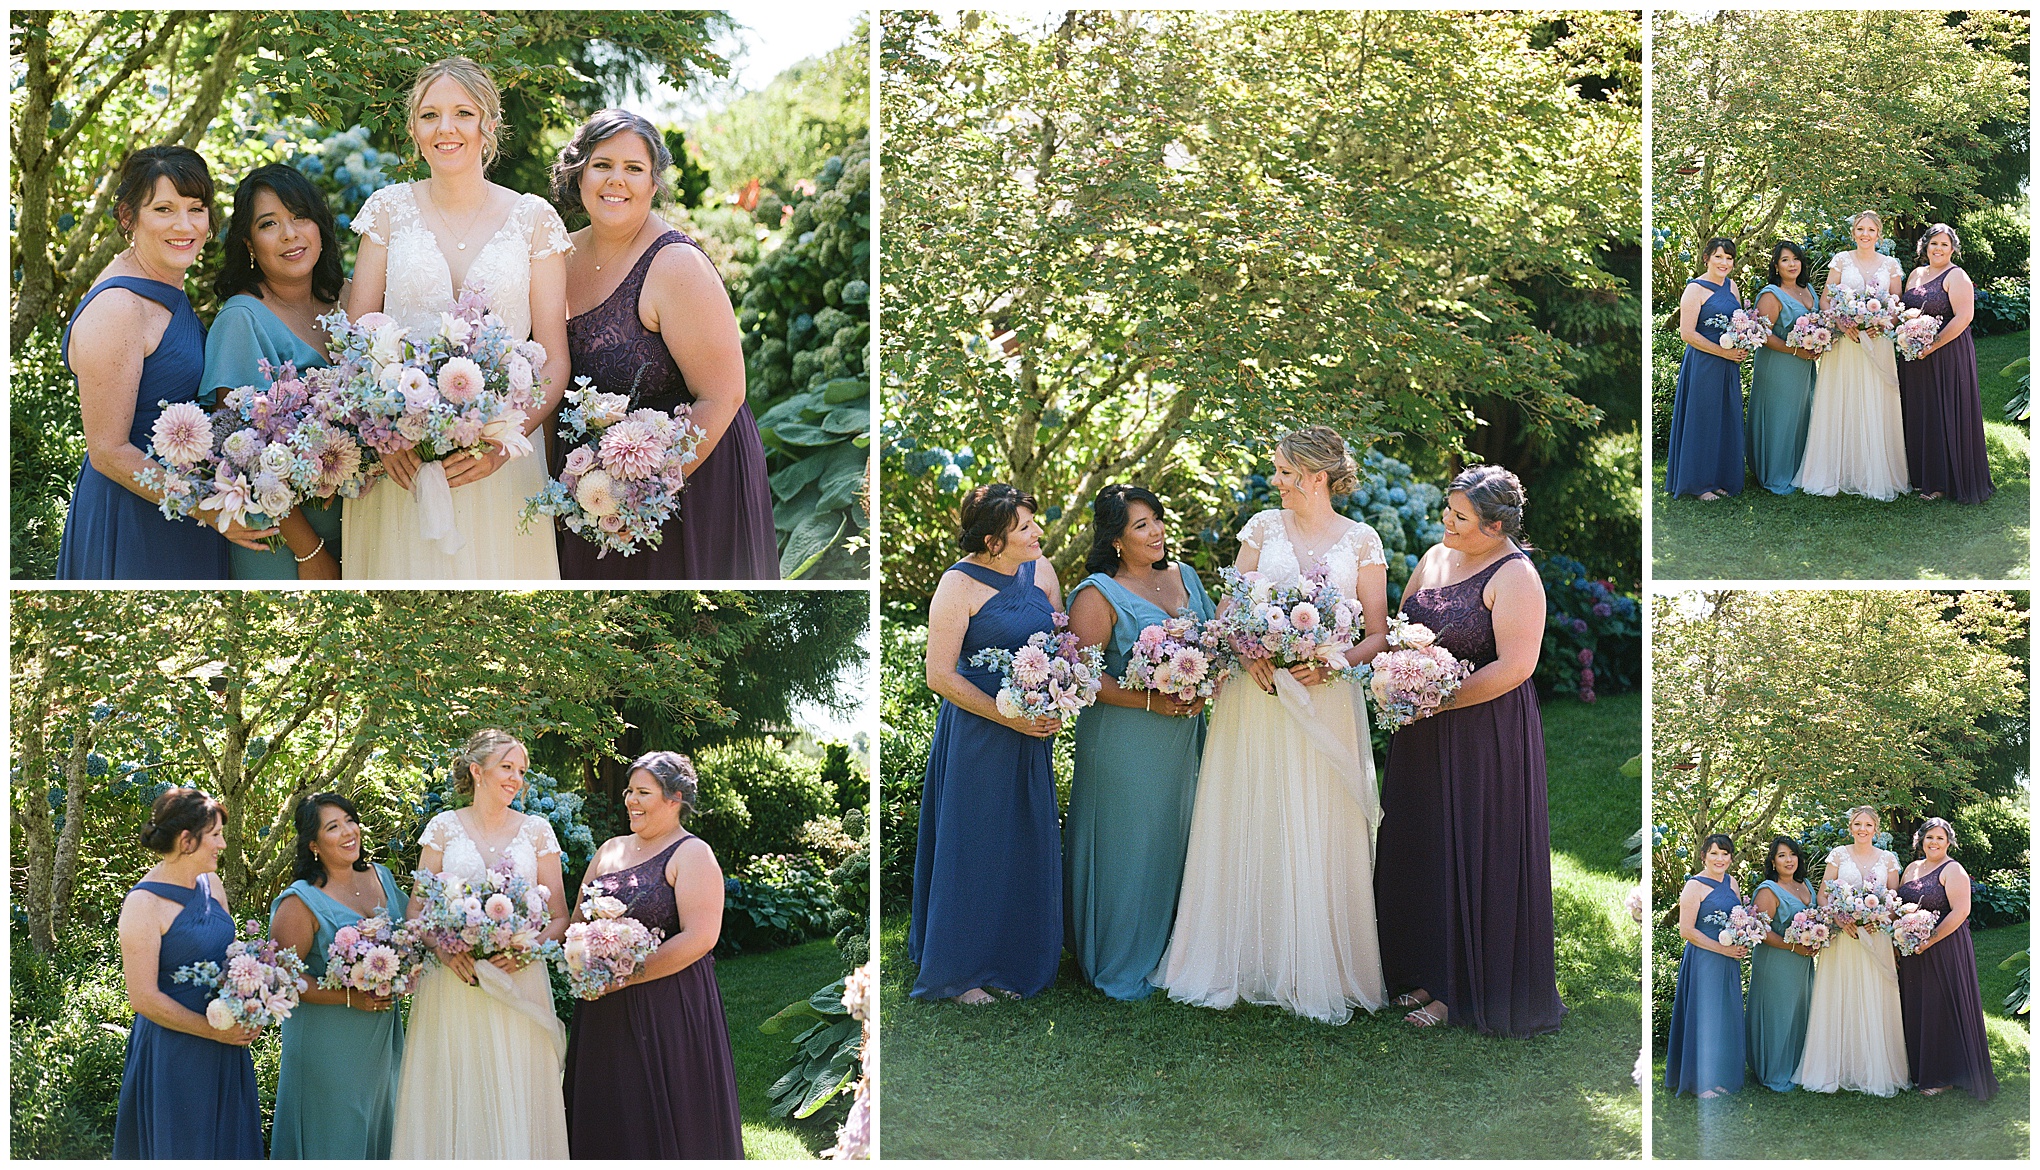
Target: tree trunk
[32, 813]
[65, 870]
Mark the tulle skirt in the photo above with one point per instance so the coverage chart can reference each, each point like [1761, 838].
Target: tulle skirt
[380, 541]
[1278, 888]
[1855, 438]
[482, 1077]
[1855, 1033]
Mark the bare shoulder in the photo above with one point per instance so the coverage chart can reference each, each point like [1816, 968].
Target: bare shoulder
[1044, 573]
[695, 860]
[117, 309]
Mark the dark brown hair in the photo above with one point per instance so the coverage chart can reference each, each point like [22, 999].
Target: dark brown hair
[183, 166]
[600, 127]
[175, 813]
[988, 513]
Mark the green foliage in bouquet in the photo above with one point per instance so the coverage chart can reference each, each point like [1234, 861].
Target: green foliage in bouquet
[827, 1056]
[806, 322]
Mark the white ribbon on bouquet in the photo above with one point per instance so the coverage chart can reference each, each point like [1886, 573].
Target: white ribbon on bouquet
[435, 509]
[1356, 769]
[502, 988]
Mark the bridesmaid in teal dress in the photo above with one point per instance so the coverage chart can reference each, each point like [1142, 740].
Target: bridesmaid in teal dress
[1708, 1049]
[336, 1090]
[281, 273]
[1781, 973]
[1137, 754]
[1781, 379]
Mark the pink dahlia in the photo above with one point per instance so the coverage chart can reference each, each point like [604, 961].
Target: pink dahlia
[460, 380]
[632, 449]
[183, 434]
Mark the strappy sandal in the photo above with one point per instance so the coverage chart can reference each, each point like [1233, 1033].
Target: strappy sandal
[983, 998]
[1423, 1018]
[1002, 993]
[1408, 999]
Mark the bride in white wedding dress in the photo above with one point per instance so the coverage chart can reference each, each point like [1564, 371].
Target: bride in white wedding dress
[484, 1054]
[1855, 1029]
[422, 244]
[1277, 905]
[1855, 437]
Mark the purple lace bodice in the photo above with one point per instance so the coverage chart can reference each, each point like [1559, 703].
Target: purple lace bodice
[643, 890]
[1927, 891]
[611, 345]
[1457, 615]
[1931, 298]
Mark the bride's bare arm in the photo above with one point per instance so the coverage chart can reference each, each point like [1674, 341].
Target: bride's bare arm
[371, 280]
[549, 329]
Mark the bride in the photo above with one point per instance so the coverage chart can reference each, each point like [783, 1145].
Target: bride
[484, 1054]
[1855, 1030]
[422, 244]
[1277, 905]
[1855, 438]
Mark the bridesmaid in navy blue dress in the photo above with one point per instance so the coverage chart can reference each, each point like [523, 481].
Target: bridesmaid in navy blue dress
[188, 1090]
[1708, 1048]
[988, 904]
[1706, 456]
[144, 346]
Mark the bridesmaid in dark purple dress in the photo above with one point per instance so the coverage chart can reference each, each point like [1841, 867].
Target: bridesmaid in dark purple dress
[1462, 875]
[1944, 447]
[1945, 1040]
[653, 321]
[649, 1072]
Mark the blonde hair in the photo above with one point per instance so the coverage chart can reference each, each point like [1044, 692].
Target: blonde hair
[481, 89]
[1864, 808]
[1320, 448]
[1860, 216]
[481, 747]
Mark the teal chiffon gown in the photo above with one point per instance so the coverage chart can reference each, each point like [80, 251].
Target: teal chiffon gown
[336, 1091]
[245, 334]
[1128, 827]
[1781, 402]
[1780, 998]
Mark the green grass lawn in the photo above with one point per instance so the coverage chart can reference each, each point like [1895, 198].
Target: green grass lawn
[754, 988]
[1759, 536]
[1073, 1074]
[1758, 1123]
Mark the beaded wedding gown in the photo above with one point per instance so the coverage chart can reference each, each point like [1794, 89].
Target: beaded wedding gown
[379, 532]
[1855, 1031]
[1855, 438]
[482, 1065]
[1277, 905]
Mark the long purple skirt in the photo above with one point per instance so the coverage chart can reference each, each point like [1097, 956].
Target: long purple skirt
[1943, 411]
[649, 1073]
[1462, 867]
[723, 531]
[1945, 1041]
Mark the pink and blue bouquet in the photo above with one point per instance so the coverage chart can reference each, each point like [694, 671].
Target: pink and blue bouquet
[1415, 677]
[1915, 332]
[375, 955]
[1743, 329]
[1052, 676]
[1810, 929]
[1912, 928]
[622, 481]
[602, 952]
[1289, 625]
[1812, 333]
[263, 452]
[1865, 906]
[1181, 657]
[1874, 315]
[1740, 926]
[259, 985]
[502, 914]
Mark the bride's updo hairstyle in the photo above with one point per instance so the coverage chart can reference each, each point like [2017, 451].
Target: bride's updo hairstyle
[987, 515]
[1108, 523]
[1927, 237]
[1864, 810]
[1320, 448]
[175, 813]
[674, 774]
[1920, 834]
[603, 126]
[481, 747]
[481, 89]
[1496, 497]
[1860, 216]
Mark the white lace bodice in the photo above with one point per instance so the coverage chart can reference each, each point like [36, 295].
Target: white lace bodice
[419, 282]
[1282, 563]
[1842, 864]
[461, 856]
[1845, 273]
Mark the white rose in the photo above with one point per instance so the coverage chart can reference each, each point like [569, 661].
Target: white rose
[219, 1015]
[1417, 636]
[506, 430]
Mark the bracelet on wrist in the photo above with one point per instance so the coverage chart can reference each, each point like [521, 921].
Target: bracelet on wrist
[315, 552]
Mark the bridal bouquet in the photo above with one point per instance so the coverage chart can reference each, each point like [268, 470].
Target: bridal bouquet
[1182, 657]
[1741, 926]
[1415, 677]
[602, 952]
[1874, 316]
[1810, 929]
[1916, 331]
[1289, 625]
[1912, 928]
[1866, 907]
[376, 956]
[258, 987]
[1743, 329]
[266, 450]
[502, 914]
[1811, 332]
[1053, 675]
[622, 483]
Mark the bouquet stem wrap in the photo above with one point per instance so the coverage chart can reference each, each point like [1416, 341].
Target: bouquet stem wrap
[498, 984]
[1356, 768]
[435, 509]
